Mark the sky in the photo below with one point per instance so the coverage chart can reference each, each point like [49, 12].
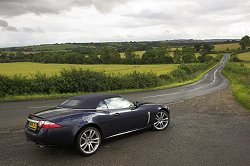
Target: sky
[31, 22]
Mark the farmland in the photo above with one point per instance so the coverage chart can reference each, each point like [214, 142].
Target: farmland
[27, 68]
[244, 56]
[247, 65]
[139, 53]
[223, 47]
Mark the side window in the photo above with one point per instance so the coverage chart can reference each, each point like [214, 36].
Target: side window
[118, 103]
[102, 106]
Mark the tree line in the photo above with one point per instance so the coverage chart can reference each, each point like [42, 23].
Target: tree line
[110, 55]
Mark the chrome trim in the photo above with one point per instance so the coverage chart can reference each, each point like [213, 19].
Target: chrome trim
[148, 118]
[124, 133]
[30, 120]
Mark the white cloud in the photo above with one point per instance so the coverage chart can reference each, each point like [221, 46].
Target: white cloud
[120, 20]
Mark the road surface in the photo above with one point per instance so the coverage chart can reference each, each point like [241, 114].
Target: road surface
[208, 127]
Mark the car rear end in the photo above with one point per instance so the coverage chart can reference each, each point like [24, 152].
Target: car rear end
[44, 132]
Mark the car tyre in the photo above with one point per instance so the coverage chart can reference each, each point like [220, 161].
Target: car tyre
[162, 120]
[88, 141]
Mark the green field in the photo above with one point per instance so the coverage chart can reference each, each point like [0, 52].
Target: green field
[223, 47]
[247, 65]
[27, 68]
[244, 56]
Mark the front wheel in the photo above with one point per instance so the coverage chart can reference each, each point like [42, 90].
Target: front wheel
[162, 120]
[88, 141]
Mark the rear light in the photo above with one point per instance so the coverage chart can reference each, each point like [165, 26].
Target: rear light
[48, 125]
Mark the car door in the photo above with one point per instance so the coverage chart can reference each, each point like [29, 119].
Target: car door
[124, 116]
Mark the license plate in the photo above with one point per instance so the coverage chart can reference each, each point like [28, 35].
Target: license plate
[33, 125]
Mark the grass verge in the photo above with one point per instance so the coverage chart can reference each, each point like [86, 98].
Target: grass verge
[239, 76]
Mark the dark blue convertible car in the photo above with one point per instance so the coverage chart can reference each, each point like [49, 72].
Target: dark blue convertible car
[84, 121]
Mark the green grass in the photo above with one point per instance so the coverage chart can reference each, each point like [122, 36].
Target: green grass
[213, 55]
[244, 56]
[247, 65]
[56, 95]
[239, 82]
[223, 47]
[27, 68]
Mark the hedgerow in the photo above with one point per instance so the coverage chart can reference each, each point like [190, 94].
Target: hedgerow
[80, 80]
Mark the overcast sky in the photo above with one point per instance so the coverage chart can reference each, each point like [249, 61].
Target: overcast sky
[28, 22]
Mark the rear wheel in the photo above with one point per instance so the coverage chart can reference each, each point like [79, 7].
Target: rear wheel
[162, 120]
[88, 141]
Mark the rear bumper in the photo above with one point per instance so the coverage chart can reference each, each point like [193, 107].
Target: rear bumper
[51, 137]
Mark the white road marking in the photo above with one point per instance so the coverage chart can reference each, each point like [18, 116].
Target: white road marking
[214, 79]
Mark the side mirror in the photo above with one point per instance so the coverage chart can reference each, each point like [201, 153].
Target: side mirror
[137, 104]
[58, 106]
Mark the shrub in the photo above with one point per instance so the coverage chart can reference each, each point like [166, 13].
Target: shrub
[79, 80]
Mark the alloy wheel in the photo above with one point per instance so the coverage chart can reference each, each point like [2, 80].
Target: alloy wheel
[162, 120]
[90, 141]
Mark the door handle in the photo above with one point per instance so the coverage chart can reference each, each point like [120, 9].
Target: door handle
[117, 114]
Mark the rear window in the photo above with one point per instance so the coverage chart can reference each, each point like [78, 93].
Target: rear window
[70, 103]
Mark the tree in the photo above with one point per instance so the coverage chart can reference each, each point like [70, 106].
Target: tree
[109, 55]
[157, 55]
[177, 56]
[188, 55]
[245, 42]
[207, 48]
[149, 56]
[197, 47]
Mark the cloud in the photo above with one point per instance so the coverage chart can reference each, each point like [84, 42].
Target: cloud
[3, 23]
[11, 28]
[120, 20]
[31, 30]
[6, 27]
[19, 7]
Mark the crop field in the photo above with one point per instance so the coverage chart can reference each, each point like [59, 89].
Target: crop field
[247, 65]
[27, 68]
[244, 56]
[140, 53]
[223, 47]
[175, 48]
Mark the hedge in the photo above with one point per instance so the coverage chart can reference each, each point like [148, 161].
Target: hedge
[79, 80]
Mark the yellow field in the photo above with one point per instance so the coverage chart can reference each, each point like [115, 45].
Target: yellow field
[27, 68]
[244, 56]
[223, 47]
[247, 65]
[140, 53]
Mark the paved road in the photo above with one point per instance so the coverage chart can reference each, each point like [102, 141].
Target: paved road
[208, 128]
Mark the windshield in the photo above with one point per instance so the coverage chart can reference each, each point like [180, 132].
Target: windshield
[70, 103]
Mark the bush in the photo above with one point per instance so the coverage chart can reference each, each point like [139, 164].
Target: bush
[75, 80]
[79, 80]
